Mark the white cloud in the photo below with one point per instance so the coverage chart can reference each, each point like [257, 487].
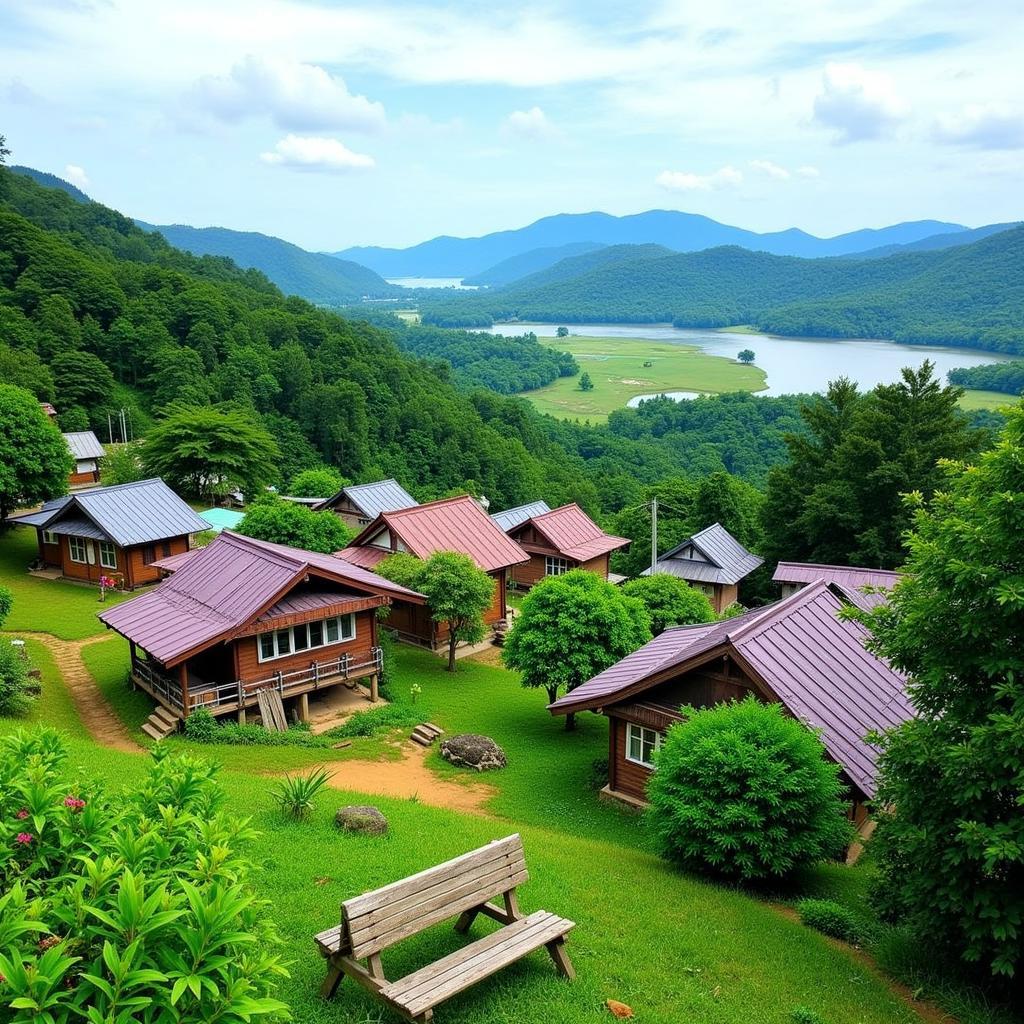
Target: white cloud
[76, 175]
[296, 96]
[772, 170]
[683, 181]
[807, 171]
[857, 103]
[529, 124]
[311, 153]
[982, 127]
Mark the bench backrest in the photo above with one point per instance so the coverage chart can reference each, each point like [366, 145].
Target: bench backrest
[381, 918]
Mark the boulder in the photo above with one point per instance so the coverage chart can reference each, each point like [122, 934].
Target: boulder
[468, 750]
[360, 818]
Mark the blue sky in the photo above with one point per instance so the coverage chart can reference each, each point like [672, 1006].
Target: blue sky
[336, 124]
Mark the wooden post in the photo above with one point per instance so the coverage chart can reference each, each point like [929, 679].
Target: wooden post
[374, 696]
[183, 679]
[303, 707]
[241, 715]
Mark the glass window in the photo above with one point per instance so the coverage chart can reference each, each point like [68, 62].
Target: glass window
[316, 634]
[78, 548]
[108, 555]
[166, 548]
[284, 642]
[332, 630]
[266, 646]
[555, 566]
[306, 636]
[300, 636]
[49, 537]
[348, 627]
[641, 743]
[148, 554]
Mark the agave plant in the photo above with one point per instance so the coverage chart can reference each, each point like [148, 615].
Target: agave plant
[295, 793]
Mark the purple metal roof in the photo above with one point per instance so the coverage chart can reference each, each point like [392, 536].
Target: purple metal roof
[309, 601]
[850, 577]
[815, 663]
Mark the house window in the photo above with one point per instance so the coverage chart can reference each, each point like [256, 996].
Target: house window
[80, 550]
[108, 555]
[306, 636]
[555, 566]
[641, 743]
[148, 554]
[49, 537]
[166, 549]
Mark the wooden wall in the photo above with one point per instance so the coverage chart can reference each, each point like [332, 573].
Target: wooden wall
[413, 620]
[130, 562]
[529, 573]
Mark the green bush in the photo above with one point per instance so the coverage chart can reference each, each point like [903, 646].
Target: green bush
[295, 793]
[831, 918]
[201, 726]
[386, 682]
[375, 720]
[14, 696]
[802, 1015]
[745, 792]
[126, 906]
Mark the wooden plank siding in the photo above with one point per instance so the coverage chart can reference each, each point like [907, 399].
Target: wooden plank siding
[527, 574]
[413, 623]
[131, 561]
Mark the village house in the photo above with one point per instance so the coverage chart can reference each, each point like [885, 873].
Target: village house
[794, 576]
[87, 451]
[559, 540]
[796, 652]
[117, 533]
[243, 615]
[713, 561]
[358, 505]
[512, 517]
[451, 524]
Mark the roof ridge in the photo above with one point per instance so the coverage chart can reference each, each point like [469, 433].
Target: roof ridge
[434, 503]
[843, 568]
[119, 487]
[241, 540]
[373, 483]
[772, 611]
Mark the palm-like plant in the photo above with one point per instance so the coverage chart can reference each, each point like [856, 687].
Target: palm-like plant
[295, 793]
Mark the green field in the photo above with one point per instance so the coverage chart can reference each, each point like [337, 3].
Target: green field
[616, 366]
[985, 400]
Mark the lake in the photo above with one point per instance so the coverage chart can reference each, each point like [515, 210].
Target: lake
[792, 365]
[432, 282]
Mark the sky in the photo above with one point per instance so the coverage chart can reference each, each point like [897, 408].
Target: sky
[333, 124]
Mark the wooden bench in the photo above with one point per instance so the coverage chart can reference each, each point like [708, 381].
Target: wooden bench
[465, 887]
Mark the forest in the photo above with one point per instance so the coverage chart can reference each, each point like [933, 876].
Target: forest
[1005, 377]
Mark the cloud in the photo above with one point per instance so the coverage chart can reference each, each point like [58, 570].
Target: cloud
[76, 175]
[529, 124]
[682, 181]
[297, 97]
[310, 153]
[807, 171]
[982, 127]
[770, 169]
[857, 104]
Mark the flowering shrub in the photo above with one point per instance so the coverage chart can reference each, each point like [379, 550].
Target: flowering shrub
[128, 906]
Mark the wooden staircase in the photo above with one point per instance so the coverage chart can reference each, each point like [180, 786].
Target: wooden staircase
[425, 734]
[160, 724]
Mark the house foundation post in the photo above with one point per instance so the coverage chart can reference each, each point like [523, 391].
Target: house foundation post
[303, 707]
[241, 715]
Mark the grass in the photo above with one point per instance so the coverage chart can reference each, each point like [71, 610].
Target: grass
[616, 366]
[971, 400]
[107, 662]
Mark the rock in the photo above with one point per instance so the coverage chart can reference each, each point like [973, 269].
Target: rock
[359, 818]
[468, 750]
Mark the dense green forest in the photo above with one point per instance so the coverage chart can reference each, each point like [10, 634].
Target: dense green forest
[971, 295]
[1005, 377]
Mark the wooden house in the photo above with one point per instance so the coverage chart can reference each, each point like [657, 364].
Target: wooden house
[794, 576]
[797, 652]
[713, 561]
[358, 505]
[243, 615]
[87, 452]
[115, 532]
[512, 517]
[451, 524]
[559, 540]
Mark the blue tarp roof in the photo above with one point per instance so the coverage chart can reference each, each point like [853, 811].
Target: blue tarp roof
[222, 518]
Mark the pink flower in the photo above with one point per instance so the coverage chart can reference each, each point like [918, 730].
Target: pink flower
[22, 814]
[73, 803]
[24, 838]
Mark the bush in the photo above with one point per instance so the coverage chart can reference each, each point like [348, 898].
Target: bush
[746, 792]
[322, 482]
[201, 726]
[386, 682]
[803, 1015]
[117, 904]
[295, 793]
[14, 695]
[830, 918]
[375, 720]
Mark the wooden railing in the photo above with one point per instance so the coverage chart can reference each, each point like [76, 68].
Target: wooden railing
[158, 683]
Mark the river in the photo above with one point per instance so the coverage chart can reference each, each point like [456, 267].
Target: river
[792, 365]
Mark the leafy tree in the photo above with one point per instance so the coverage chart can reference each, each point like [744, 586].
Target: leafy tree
[179, 375]
[210, 452]
[284, 522]
[585, 384]
[401, 568]
[123, 464]
[34, 458]
[570, 628]
[80, 378]
[746, 355]
[746, 792]
[321, 482]
[669, 601]
[562, 332]
[951, 849]
[4, 151]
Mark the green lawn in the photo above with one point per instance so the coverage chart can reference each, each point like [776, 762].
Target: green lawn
[985, 400]
[616, 366]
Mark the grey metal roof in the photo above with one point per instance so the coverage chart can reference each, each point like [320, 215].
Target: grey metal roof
[84, 444]
[78, 526]
[725, 559]
[374, 498]
[512, 517]
[39, 517]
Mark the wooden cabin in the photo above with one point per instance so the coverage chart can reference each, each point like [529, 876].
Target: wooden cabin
[559, 540]
[87, 452]
[113, 532]
[358, 505]
[871, 584]
[451, 524]
[243, 615]
[797, 652]
[713, 561]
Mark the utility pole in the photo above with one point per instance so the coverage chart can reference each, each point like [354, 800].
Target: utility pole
[654, 534]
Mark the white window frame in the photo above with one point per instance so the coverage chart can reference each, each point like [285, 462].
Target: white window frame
[106, 547]
[639, 731]
[86, 547]
[282, 641]
[555, 566]
[49, 537]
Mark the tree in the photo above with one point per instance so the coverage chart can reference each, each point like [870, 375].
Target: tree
[122, 464]
[585, 384]
[179, 375]
[34, 459]
[746, 792]
[322, 482]
[80, 378]
[4, 151]
[284, 522]
[951, 850]
[208, 451]
[570, 628]
[562, 332]
[669, 601]
[746, 355]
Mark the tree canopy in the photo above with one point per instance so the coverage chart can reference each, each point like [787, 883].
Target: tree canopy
[298, 526]
[318, 482]
[669, 601]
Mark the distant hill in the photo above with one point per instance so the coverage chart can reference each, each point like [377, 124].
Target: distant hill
[946, 240]
[446, 256]
[967, 295]
[311, 275]
[526, 263]
[48, 180]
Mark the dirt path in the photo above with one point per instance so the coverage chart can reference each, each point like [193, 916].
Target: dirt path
[96, 714]
[411, 777]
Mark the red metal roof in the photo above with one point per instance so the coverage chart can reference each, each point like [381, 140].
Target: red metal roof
[573, 533]
[368, 557]
[815, 663]
[850, 577]
[451, 524]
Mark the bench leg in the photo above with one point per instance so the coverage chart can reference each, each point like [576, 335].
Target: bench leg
[466, 918]
[335, 975]
[561, 958]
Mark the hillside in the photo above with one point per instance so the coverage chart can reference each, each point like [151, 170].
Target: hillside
[683, 232]
[946, 240]
[517, 267]
[48, 180]
[969, 295]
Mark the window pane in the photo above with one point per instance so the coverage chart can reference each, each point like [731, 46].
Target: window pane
[266, 645]
[347, 627]
[316, 634]
[301, 636]
[332, 630]
[283, 641]
[634, 742]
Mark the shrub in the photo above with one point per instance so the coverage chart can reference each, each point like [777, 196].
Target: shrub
[201, 726]
[746, 792]
[803, 1015]
[375, 720]
[386, 682]
[14, 694]
[321, 482]
[830, 918]
[117, 904]
[295, 793]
